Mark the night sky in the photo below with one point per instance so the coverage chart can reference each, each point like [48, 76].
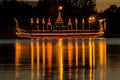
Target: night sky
[103, 4]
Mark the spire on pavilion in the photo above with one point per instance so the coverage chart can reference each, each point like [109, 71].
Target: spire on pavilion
[59, 21]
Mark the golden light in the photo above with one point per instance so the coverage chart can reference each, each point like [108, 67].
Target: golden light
[70, 48]
[60, 58]
[38, 58]
[90, 53]
[43, 56]
[32, 59]
[31, 20]
[83, 52]
[49, 54]
[76, 52]
[37, 20]
[17, 57]
[91, 19]
[60, 8]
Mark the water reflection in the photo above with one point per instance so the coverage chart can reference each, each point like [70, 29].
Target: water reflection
[61, 59]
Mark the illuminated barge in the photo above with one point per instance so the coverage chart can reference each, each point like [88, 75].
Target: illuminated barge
[48, 30]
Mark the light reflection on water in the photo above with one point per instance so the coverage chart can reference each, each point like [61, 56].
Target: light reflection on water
[56, 59]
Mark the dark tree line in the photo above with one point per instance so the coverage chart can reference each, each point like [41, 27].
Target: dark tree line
[112, 15]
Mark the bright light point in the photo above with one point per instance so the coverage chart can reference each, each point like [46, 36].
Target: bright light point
[91, 19]
[60, 8]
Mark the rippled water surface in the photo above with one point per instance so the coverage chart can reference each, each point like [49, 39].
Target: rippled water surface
[60, 59]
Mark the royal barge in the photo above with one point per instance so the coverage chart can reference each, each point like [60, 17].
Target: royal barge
[48, 30]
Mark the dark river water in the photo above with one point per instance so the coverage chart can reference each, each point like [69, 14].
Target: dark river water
[60, 59]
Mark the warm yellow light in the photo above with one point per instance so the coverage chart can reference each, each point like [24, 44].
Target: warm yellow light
[38, 58]
[31, 21]
[90, 53]
[76, 52]
[17, 57]
[60, 8]
[101, 52]
[32, 59]
[70, 48]
[83, 52]
[43, 56]
[91, 19]
[60, 58]
[49, 54]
